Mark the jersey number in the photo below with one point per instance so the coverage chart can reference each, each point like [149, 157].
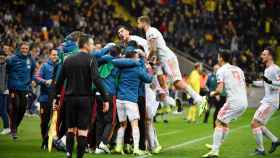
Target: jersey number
[236, 75]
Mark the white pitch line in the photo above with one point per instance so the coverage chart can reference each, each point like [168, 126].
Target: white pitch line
[169, 133]
[200, 139]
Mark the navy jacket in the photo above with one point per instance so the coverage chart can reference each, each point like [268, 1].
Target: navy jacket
[20, 72]
[45, 73]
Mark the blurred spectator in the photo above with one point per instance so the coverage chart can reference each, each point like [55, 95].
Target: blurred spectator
[203, 81]
[217, 101]
[45, 24]
[203, 27]
[194, 82]
[4, 94]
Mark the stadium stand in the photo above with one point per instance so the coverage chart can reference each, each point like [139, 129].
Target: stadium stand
[200, 28]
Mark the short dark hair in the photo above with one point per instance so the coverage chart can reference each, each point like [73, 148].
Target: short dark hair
[24, 43]
[145, 19]
[84, 38]
[115, 51]
[225, 55]
[270, 51]
[74, 36]
[123, 26]
[52, 50]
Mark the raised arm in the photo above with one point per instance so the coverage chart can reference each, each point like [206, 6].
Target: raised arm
[125, 62]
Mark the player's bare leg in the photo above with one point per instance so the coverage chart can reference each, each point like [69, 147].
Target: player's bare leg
[136, 138]
[153, 140]
[120, 138]
[221, 131]
[259, 130]
[199, 100]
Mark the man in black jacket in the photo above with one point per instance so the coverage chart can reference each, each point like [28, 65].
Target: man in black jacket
[78, 73]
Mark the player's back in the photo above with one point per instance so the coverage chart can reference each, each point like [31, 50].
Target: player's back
[142, 42]
[129, 82]
[234, 83]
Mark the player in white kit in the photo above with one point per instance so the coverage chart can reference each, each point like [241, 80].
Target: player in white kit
[269, 103]
[124, 35]
[232, 79]
[168, 60]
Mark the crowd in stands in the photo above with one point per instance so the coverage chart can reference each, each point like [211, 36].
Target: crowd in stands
[197, 27]
[202, 27]
[45, 23]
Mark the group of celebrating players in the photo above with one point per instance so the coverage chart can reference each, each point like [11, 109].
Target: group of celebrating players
[127, 88]
[107, 98]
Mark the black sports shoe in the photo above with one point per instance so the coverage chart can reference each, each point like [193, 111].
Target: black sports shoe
[274, 146]
[44, 145]
[259, 152]
[14, 136]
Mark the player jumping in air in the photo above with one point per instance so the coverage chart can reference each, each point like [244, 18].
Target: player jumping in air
[169, 61]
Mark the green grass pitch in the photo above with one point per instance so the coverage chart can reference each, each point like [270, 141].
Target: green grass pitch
[178, 138]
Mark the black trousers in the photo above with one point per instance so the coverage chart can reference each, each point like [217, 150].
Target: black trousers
[45, 115]
[18, 104]
[212, 102]
[105, 122]
[218, 104]
[142, 122]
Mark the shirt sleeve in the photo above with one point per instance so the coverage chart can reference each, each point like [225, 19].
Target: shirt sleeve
[61, 78]
[144, 76]
[125, 62]
[151, 35]
[33, 68]
[101, 52]
[220, 76]
[39, 75]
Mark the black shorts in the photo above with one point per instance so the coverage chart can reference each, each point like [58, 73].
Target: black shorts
[78, 112]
